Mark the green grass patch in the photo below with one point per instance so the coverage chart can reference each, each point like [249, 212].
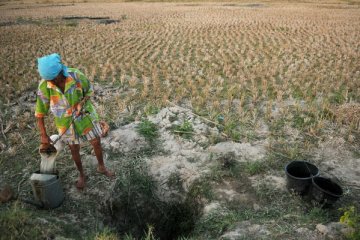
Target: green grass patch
[255, 167]
[277, 125]
[281, 152]
[238, 130]
[71, 23]
[226, 167]
[148, 129]
[19, 223]
[338, 96]
[316, 215]
[351, 217]
[184, 129]
[150, 109]
[201, 188]
[302, 120]
[216, 223]
[107, 234]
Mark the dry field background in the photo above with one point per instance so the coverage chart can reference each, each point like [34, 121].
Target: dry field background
[202, 52]
[285, 72]
[243, 61]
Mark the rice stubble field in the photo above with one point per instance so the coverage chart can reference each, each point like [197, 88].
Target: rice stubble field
[278, 80]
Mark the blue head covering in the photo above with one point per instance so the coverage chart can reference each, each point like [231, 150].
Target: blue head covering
[50, 66]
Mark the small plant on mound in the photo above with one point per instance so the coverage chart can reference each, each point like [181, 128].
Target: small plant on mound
[150, 109]
[316, 214]
[213, 225]
[226, 167]
[148, 129]
[185, 129]
[351, 218]
[255, 167]
[106, 234]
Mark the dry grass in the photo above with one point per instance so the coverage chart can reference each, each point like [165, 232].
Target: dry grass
[238, 60]
[205, 53]
[349, 113]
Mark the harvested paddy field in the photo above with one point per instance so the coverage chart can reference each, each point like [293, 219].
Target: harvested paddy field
[207, 103]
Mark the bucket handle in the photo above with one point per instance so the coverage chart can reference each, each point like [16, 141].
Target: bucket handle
[311, 175]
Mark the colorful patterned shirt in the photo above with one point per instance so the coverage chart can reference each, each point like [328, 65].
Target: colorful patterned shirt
[63, 105]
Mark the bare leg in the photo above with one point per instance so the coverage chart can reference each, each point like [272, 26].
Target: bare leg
[75, 152]
[96, 143]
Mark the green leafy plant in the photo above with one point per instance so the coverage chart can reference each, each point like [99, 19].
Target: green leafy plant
[150, 109]
[185, 129]
[148, 129]
[338, 96]
[303, 119]
[351, 217]
[316, 215]
[216, 223]
[106, 234]
[253, 168]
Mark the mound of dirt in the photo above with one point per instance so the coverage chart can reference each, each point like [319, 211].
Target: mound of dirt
[245, 229]
[124, 140]
[336, 160]
[242, 151]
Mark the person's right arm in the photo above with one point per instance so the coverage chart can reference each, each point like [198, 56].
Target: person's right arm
[44, 138]
[41, 109]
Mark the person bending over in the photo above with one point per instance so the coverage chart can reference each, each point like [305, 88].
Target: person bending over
[66, 92]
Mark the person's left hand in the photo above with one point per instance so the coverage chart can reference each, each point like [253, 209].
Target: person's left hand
[80, 105]
[78, 109]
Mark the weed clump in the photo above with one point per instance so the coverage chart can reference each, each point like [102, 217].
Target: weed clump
[148, 129]
[216, 223]
[185, 129]
[254, 168]
[106, 234]
[351, 218]
[18, 223]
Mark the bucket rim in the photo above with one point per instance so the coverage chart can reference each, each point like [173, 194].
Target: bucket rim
[56, 173]
[301, 178]
[325, 191]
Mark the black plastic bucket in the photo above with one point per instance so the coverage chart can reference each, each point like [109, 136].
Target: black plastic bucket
[299, 176]
[325, 191]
